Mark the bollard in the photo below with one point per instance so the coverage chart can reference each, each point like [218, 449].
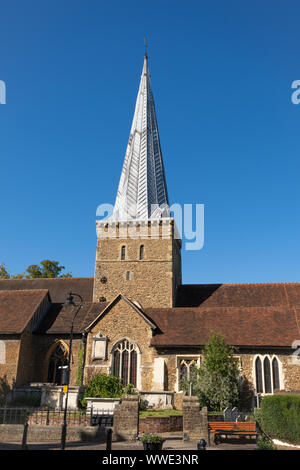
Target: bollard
[63, 435]
[201, 444]
[108, 439]
[24, 440]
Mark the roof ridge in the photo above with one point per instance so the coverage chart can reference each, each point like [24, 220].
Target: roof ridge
[23, 291]
[241, 284]
[50, 278]
[214, 307]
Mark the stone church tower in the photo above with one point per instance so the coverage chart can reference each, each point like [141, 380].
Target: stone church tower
[138, 247]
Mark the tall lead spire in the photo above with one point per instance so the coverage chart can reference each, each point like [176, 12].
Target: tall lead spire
[142, 192]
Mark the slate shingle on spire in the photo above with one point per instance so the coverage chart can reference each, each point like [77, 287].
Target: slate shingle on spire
[142, 192]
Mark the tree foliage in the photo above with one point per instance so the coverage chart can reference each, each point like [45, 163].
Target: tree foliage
[46, 269]
[3, 272]
[106, 386]
[217, 382]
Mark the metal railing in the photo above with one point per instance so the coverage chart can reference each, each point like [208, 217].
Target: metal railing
[50, 417]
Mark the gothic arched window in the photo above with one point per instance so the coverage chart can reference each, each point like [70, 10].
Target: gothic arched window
[142, 251]
[58, 359]
[258, 373]
[275, 371]
[123, 252]
[267, 374]
[188, 371]
[125, 362]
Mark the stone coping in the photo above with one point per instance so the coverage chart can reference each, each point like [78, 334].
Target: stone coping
[102, 399]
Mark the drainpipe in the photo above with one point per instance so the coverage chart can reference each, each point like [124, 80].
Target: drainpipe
[84, 338]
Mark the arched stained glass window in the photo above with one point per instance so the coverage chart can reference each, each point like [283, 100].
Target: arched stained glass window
[125, 362]
[267, 375]
[116, 368]
[133, 368]
[275, 371]
[258, 373]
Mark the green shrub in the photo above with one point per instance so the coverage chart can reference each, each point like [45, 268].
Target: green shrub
[264, 444]
[279, 417]
[106, 386]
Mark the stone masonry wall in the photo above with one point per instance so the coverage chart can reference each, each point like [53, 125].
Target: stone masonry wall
[126, 419]
[122, 321]
[9, 362]
[153, 279]
[195, 424]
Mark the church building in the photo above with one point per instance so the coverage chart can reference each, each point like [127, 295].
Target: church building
[135, 319]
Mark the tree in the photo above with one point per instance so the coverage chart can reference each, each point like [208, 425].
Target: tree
[218, 377]
[46, 269]
[3, 272]
[34, 271]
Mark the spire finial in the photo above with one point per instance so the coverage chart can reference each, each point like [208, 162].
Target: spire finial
[145, 47]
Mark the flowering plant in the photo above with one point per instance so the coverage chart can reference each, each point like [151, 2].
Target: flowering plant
[150, 437]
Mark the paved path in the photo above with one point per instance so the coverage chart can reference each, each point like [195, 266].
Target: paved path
[171, 443]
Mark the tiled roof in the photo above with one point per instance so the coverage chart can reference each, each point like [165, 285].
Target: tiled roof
[59, 318]
[58, 287]
[238, 295]
[246, 314]
[17, 308]
[241, 326]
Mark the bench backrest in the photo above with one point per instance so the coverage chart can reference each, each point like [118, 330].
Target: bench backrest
[232, 426]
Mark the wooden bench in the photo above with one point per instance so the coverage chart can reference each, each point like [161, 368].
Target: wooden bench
[227, 428]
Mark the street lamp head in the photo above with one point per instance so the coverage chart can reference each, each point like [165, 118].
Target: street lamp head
[69, 300]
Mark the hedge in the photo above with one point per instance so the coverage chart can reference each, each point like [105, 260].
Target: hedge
[279, 417]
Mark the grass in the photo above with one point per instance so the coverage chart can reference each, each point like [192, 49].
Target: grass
[161, 413]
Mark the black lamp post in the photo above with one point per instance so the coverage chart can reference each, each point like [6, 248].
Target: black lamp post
[66, 372]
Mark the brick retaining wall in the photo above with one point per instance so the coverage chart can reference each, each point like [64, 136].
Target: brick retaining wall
[160, 424]
[14, 433]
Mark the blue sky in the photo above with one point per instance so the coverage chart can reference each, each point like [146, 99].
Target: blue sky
[221, 75]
